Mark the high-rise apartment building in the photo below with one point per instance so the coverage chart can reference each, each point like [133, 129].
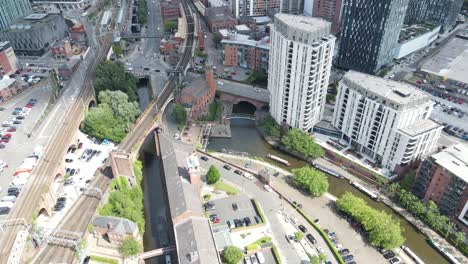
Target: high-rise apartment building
[443, 179]
[369, 33]
[292, 7]
[301, 51]
[242, 8]
[10, 10]
[442, 12]
[387, 121]
[329, 10]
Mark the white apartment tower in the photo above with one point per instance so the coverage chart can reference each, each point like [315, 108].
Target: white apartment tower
[301, 51]
[387, 121]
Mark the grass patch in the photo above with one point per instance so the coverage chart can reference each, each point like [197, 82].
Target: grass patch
[259, 210]
[104, 260]
[222, 186]
[322, 233]
[257, 243]
[276, 254]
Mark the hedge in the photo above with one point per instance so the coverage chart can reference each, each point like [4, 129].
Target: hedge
[104, 260]
[276, 254]
[322, 233]
[259, 210]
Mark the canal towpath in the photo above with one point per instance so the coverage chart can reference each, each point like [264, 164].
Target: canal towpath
[431, 234]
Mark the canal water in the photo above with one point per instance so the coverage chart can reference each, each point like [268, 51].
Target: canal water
[245, 138]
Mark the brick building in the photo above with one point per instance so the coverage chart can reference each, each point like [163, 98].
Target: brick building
[169, 45]
[241, 51]
[329, 10]
[199, 94]
[8, 60]
[78, 34]
[170, 10]
[61, 49]
[114, 229]
[219, 18]
[443, 179]
[9, 87]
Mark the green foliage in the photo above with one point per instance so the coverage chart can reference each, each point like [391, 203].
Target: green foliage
[112, 76]
[270, 127]
[138, 171]
[232, 255]
[142, 12]
[322, 257]
[90, 228]
[276, 254]
[201, 54]
[330, 98]
[258, 243]
[258, 77]
[125, 201]
[112, 117]
[383, 230]
[459, 237]
[313, 259]
[303, 143]
[103, 260]
[217, 39]
[252, 247]
[169, 26]
[179, 114]
[117, 50]
[408, 180]
[298, 236]
[214, 112]
[213, 175]
[259, 210]
[222, 186]
[314, 181]
[206, 197]
[130, 247]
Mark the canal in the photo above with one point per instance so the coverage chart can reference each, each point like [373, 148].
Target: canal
[245, 138]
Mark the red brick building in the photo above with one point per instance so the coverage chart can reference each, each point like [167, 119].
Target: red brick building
[9, 87]
[114, 229]
[443, 179]
[169, 45]
[219, 18]
[170, 10]
[329, 10]
[78, 33]
[199, 94]
[62, 49]
[8, 60]
[241, 51]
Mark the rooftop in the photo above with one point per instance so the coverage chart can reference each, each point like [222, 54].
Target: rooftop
[26, 23]
[36, 16]
[262, 19]
[304, 23]
[242, 27]
[118, 225]
[246, 90]
[393, 93]
[454, 159]
[420, 127]
[4, 45]
[5, 82]
[409, 32]
[240, 39]
[218, 13]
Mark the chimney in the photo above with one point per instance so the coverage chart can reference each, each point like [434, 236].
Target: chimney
[209, 77]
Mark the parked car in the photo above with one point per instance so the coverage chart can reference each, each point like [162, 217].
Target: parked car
[254, 260]
[289, 238]
[267, 188]
[302, 228]
[247, 220]
[395, 260]
[68, 160]
[238, 172]
[389, 255]
[260, 257]
[204, 158]
[348, 258]
[311, 238]
[227, 167]
[235, 206]
[344, 251]
[247, 260]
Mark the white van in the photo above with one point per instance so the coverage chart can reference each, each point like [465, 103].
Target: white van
[260, 257]
[9, 198]
[7, 204]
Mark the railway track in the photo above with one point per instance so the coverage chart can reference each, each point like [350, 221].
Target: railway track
[80, 215]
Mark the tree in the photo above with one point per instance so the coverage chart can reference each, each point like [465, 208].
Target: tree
[232, 255]
[179, 114]
[322, 257]
[270, 126]
[212, 176]
[142, 12]
[169, 26]
[258, 77]
[130, 247]
[314, 181]
[302, 143]
[459, 237]
[314, 259]
[298, 236]
[408, 180]
[112, 76]
[121, 107]
[448, 228]
[101, 123]
[394, 188]
[117, 50]
[217, 39]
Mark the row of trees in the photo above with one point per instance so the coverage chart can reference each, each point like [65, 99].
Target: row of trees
[112, 117]
[112, 76]
[142, 11]
[383, 230]
[303, 143]
[429, 213]
[314, 181]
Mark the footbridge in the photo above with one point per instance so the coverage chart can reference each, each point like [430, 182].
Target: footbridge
[156, 252]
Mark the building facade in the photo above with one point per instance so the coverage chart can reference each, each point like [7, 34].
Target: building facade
[114, 229]
[170, 10]
[62, 49]
[9, 87]
[329, 10]
[219, 18]
[369, 33]
[385, 120]
[292, 7]
[8, 60]
[443, 179]
[33, 34]
[241, 51]
[443, 12]
[301, 51]
[10, 10]
[63, 5]
[242, 8]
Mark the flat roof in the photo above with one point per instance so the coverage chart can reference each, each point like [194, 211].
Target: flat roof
[35, 16]
[451, 61]
[303, 23]
[241, 39]
[455, 160]
[262, 19]
[243, 27]
[398, 93]
[5, 82]
[245, 90]
[421, 127]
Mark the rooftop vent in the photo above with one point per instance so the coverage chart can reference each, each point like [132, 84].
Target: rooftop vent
[402, 93]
